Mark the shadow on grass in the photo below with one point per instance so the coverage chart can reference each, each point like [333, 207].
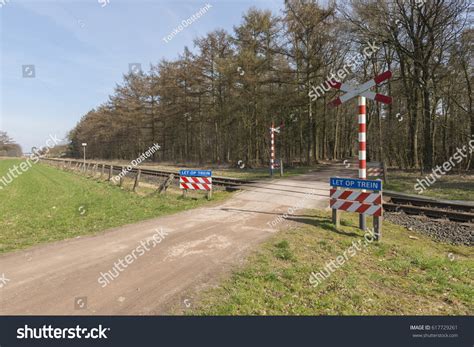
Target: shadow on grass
[324, 223]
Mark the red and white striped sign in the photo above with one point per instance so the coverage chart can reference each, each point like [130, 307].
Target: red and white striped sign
[354, 206]
[195, 183]
[375, 169]
[354, 195]
[356, 201]
[374, 172]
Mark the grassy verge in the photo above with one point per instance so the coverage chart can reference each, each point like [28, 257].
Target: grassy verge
[46, 204]
[449, 187]
[398, 276]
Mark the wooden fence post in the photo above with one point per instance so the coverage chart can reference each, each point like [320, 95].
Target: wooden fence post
[122, 176]
[164, 186]
[111, 169]
[102, 171]
[137, 180]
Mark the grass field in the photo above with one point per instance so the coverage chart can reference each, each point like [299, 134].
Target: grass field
[449, 187]
[398, 276]
[46, 204]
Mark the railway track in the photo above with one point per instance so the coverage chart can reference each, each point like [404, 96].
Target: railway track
[454, 211]
[231, 183]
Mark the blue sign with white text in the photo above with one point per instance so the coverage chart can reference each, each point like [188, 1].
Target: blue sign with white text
[195, 173]
[356, 183]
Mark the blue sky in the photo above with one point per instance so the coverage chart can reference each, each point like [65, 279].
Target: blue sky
[80, 51]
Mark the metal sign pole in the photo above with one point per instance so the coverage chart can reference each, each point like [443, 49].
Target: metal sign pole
[84, 145]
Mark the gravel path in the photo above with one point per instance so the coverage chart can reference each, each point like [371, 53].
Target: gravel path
[201, 246]
[440, 230]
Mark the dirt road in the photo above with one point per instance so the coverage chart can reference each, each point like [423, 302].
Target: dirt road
[196, 248]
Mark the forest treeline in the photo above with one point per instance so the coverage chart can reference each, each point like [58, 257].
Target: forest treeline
[216, 101]
[8, 147]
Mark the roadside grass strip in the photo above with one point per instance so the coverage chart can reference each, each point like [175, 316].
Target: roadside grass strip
[46, 204]
[397, 276]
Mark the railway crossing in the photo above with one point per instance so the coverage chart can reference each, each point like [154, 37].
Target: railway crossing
[362, 92]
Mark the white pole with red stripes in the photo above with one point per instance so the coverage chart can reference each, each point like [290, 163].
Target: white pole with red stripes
[272, 149]
[362, 150]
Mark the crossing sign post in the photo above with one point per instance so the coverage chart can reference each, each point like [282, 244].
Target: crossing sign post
[349, 194]
[362, 92]
[273, 130]
[196, 180]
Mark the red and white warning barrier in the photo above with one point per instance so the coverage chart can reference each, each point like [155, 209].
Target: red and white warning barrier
[374, 172]
[356, 201]
[375, 169]
[358, 196]
[195, 183]
[354, 206]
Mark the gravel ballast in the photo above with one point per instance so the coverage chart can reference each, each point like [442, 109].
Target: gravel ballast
[439, 229]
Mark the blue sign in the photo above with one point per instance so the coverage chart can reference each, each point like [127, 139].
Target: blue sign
[195, 173]
[356, 183]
